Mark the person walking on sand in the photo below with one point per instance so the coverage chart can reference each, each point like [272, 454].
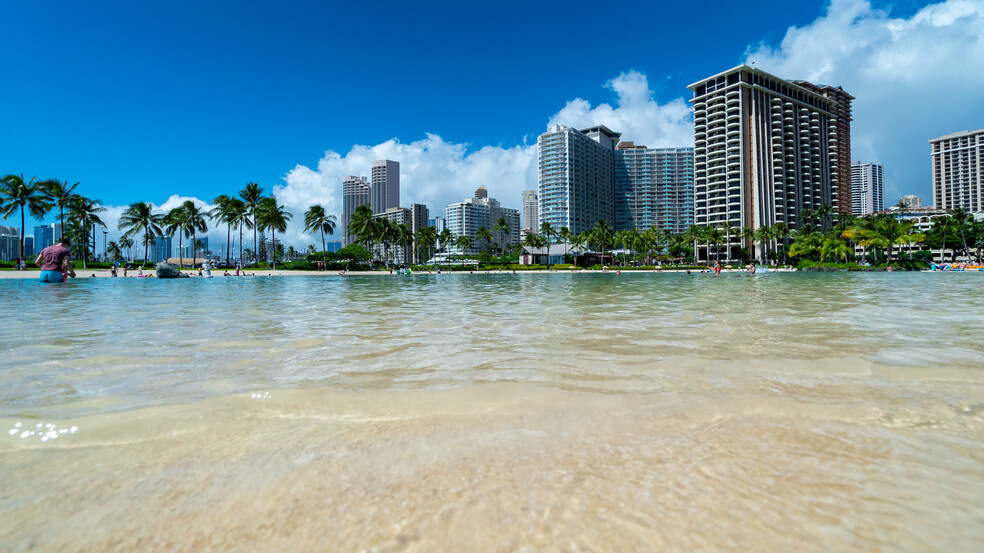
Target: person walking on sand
[55, 262]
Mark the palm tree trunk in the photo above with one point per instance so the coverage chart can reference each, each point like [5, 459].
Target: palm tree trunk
[324, 249]
[146, 246]
[228, 240]
[273, 242]
[241, 261]
[256, 249]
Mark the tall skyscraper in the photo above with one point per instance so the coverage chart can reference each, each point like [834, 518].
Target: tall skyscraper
[385, 185]
[762, 150]
[654, 187]
[465, 218]
[530, 207]
[439, 223]
[355, 193]
[867, 188]
[576, 181]
[9, 243]
[958, 170]
[839, 142]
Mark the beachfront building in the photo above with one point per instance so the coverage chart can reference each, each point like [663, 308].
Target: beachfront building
[385, 192]
[9, 239]
[530, 222]
[466, 217]
[762, 151]
[911, 201]
[838, 142]
[958, 170]
[576, 177]
[867, 188]
[654, 187]
[355, 193]
[415, 218]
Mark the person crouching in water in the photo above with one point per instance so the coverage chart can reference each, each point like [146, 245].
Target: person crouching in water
[55, 263]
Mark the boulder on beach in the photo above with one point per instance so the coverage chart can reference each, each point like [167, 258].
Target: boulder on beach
[166, 270]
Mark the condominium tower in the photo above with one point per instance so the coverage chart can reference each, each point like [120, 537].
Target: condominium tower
[355, 193]
[465, 218]
[385, 185]
[530, 221]
[762, 150]
[839, 142]
[576, 185]
[867, 188]
[654, 187]
[911, 201]
[958, 170]
[415, 218]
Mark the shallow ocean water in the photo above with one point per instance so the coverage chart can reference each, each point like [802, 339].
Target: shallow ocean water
[499, 412]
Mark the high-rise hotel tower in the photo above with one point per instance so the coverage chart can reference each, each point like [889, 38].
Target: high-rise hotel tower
[867, 188]
[355, 193]
[576, 185]
[385, 185]
[958, 170]
[763, 150]
[654, 187]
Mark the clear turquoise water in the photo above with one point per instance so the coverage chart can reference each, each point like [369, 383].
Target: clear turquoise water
[806, 411]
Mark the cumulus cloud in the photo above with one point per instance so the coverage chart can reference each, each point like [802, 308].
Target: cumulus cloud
[914, 78]
[637, 114]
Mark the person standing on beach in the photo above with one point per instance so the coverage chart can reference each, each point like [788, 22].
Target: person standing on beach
[55, 263]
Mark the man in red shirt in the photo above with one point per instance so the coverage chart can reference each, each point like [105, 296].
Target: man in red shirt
[55, 263]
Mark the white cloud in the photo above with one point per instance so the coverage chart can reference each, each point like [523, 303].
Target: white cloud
[914, 78]
[637, 114]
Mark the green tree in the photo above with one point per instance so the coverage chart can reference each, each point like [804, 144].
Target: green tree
[502, 225]
[251, 196]
[86, 212]
[444, 238]
[425, 239]
[602, 236]
[15, 194]
[484, 235]
[239, 215]
[316, 219]
[463, 243]
[273, 217]
[175, 222]
[60, 194]
[126, 243]
[140, 217]
[362, 227]
[113, 249]
[223, 212]
[195, 223]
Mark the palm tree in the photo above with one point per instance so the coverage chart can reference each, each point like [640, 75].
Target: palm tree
[565, 235]
[16, 194]
[175, 222]
[316, 219]
[59, 194]
[252, 195]
[362, 227]
[444, 238]
[824, 212]
[578, 241]
[126, 242]
[547, 232]
[239, 215]
[763, 235]
[962, 219]
[139, 217]
[195, 223]
[86, 213]
[780, 231]
[274, 217]
[601, 234]
[463, 243]
[502, 225]
[693, 234]
[113, 249]
[223, 213]
[941, 227]
[483, 234]
[425, 239]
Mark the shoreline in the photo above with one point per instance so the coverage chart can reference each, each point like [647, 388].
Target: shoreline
[105, 273]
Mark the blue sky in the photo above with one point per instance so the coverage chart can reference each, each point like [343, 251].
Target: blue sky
[144, 100]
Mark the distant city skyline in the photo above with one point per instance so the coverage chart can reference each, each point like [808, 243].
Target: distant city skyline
[164, 121]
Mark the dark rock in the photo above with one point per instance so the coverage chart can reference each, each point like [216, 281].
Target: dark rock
[166, 270]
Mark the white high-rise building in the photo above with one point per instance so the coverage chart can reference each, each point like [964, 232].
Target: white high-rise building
[415, 218]
[763, 150]
[531, 222]
[911, 201]
[465, 218]
[385, 185]
[355, 193]
[576, 181]
[654, 187]
[867, 188]
[958, 170]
